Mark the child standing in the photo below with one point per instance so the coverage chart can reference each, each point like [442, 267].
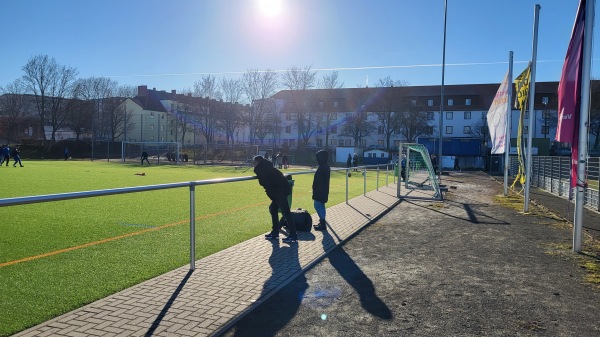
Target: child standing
[320, 188]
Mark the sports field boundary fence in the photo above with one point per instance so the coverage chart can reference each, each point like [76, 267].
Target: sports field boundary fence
[192, 195]
[553, 174]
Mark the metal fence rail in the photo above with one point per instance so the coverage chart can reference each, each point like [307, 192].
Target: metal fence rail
[192, 188]
[553, 174]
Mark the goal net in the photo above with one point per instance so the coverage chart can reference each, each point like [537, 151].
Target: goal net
[417, 177]
[158, 152]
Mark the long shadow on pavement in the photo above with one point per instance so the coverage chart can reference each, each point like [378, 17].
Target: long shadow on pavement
[168, 305]
[284, 262]
[355, 277]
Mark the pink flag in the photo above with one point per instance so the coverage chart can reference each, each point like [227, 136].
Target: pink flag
[569, 92]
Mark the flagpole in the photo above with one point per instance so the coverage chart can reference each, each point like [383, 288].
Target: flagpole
[583, 124]
[508, 121]
[440, 161]
[531, 98]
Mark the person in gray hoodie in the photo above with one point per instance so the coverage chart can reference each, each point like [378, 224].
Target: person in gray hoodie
[320, 188]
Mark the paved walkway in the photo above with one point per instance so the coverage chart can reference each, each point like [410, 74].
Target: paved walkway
[223, 287]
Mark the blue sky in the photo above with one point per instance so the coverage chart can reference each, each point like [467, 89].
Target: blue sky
[170, 44]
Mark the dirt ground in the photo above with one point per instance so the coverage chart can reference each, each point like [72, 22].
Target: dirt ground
[473, 265]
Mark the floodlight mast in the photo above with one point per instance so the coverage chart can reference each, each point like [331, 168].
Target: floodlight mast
[440, 161]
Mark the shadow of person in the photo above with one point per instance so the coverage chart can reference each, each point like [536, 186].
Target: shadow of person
[351, 273]
[282, 307]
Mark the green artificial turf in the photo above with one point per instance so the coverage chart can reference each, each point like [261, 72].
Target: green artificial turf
[130, 237]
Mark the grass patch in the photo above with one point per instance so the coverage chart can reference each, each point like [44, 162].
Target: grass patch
[97, 246]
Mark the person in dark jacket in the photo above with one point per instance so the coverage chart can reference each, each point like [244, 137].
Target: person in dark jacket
[320, 188]
[349, 161]
[277, 188]
[355, 162]
[145, 157]
[16, 156]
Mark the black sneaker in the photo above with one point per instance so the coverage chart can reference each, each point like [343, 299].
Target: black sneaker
[272, 236]
[289, 239]
[320, 227]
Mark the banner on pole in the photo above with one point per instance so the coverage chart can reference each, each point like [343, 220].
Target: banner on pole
[569, 92]
[522, 91]
[496, 117]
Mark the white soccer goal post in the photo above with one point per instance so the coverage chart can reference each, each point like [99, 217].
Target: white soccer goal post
[417, 174]
[158, 152]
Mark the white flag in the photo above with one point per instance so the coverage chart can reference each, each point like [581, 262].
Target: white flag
[496, 117]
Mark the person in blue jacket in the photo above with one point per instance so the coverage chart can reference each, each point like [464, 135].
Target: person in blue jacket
[320, 188]
[5, 154]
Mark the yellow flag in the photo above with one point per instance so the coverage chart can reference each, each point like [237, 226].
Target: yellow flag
[522, 87]
[522, 91]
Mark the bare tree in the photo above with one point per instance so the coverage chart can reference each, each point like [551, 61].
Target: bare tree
[389, 82]
[50, 83]
[79, 112]
[329, 82]
[298, 81]
[357, 126]
[208, 88]
[389, 118]
[231, 118]
[481, 131]
[258, 86]
[116, 117]
[412, 124]
[12, 108]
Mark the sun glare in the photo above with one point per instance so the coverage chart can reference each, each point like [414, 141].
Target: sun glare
[270, 8]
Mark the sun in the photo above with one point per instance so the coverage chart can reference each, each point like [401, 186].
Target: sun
[270, 8]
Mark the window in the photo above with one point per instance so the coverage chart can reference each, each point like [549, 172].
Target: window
[380, 142]
[335, 104]
[468, 101]
[448, 130]
[340, 142]
[151, 113]
[162, 128]
[450, 102]
[380, 130]
[321, 105]
[333, 129]
[467, 114]
[348, 142]
[151, 126]
[450, 115]
[382, 155]
[429, 130]
[430, 116]
[545, 130]
[413, 102]
[333, 142]
[429, 102]
[525, 129]
[288, 129]
[467, 130]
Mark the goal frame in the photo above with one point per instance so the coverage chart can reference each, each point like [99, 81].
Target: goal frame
[156, 145]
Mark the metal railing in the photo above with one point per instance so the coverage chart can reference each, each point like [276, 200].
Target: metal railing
[192, 188]
[553, 174]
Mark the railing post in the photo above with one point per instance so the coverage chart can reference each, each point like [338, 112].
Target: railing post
[365, 180]
[598, 190]
[387, 176]
[377, 188]
[551, 174]
[192, 227]
[347, 172]
[559, 176]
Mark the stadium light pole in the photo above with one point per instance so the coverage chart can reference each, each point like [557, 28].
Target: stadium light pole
[440, 158]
